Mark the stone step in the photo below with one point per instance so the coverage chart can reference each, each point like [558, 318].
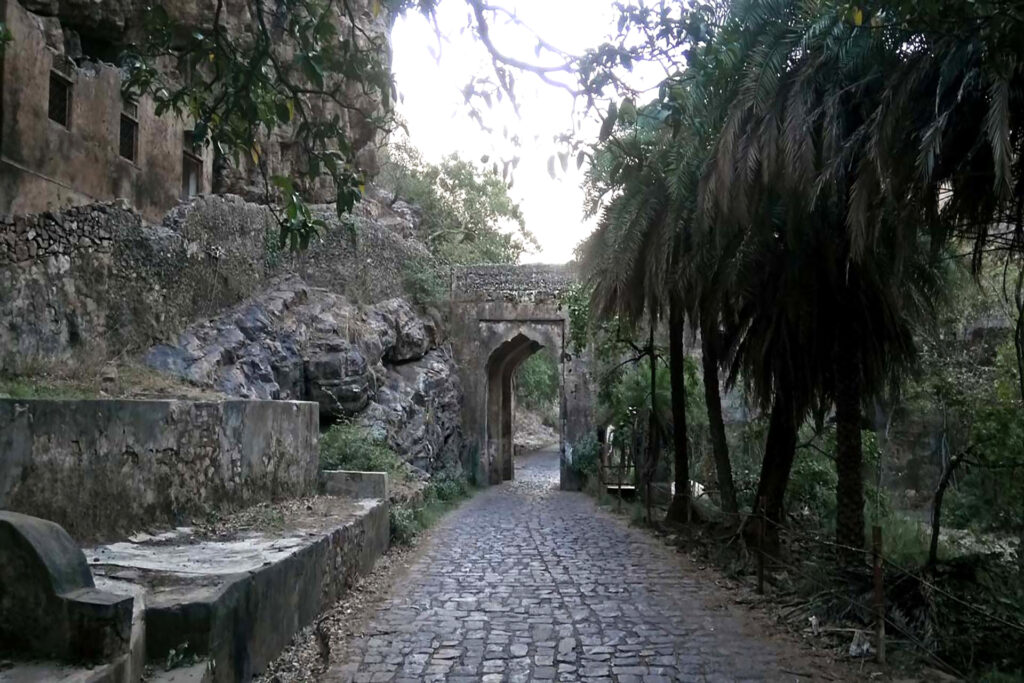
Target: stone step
[236, 599]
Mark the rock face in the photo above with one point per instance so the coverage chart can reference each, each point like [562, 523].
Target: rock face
[380, 364]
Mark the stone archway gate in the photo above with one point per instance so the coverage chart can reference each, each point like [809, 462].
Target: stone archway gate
[501, 315]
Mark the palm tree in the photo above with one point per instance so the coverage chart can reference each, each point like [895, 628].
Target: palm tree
[945, 141]
[792, 133]
[632, 261]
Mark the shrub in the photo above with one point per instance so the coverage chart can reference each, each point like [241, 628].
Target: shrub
[448, 487]
[586, 457]
[423, 282]
[404, 525]
[347, 446]
[445, 489]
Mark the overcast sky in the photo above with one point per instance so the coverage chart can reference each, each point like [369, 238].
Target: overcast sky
[439, 122]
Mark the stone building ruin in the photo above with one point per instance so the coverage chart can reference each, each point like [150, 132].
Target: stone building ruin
[69, 137]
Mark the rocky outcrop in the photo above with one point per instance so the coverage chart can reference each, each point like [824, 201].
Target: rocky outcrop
[381, 364]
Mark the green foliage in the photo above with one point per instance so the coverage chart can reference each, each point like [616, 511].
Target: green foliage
[586, 458]
[812, 485]
[577, 302]
[272, 253]
[445, 490]
[537, 381]
[5, 37]
[467, 214]
[990, 491]
[424, 282]
[347, 446]
[628, 399]
[240, 87]
[447, 487]
[404, 526]
[972, 385]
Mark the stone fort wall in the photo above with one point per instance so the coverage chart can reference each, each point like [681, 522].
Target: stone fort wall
[97, 279]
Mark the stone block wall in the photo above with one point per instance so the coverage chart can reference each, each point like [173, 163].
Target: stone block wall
[499, 315]
[46, 165]
[104, 468]
[97, 279]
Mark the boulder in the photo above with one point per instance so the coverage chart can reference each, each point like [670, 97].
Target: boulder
[402, 332]
[379, 363]
[339, 380]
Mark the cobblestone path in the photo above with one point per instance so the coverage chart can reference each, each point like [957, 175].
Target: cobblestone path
[526, 582]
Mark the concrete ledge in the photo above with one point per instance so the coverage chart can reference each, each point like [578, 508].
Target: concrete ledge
[356, 485]
[238, 599]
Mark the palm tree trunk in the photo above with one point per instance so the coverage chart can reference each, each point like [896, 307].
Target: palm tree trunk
[779, 451]
[653, 443]
[713, 400]
[679, 510]
[849, 456]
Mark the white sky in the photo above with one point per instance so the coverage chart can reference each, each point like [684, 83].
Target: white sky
[438, 118]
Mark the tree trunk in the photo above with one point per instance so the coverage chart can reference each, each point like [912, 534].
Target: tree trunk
[653, 442]
[940, 492]
[713, 400]
[679, 510]
[849, 455]
[779, 451]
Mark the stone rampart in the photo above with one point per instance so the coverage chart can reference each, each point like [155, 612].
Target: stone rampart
[101, 468]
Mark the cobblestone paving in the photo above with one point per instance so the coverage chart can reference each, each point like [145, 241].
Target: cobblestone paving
[529, 583]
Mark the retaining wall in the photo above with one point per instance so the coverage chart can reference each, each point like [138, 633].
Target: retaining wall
[101, 468]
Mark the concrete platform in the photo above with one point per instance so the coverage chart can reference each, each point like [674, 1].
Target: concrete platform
[231, 596]
[237, 596]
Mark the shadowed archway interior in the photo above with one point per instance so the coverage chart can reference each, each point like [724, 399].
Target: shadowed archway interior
[501, 369]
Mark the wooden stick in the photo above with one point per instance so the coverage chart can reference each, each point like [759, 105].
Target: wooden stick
[760, 546]
[876, 551]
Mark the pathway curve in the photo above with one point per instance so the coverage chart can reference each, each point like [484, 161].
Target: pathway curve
[526, 582]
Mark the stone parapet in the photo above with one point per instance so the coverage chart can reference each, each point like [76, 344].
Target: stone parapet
[535, 283]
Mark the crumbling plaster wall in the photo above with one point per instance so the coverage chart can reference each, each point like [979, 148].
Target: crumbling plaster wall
[46, 166]
[104, 468]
